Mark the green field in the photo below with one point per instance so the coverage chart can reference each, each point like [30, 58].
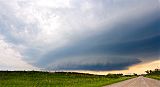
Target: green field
[46, 79]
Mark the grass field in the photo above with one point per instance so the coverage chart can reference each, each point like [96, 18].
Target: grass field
[45, 79]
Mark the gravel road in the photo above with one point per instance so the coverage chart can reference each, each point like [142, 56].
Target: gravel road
[137, 82]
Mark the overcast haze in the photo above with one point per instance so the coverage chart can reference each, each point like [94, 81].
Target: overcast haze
[78, 34]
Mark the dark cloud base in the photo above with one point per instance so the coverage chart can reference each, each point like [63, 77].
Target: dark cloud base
[100, 67]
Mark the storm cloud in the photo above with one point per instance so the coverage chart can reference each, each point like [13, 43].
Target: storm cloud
[81, 34]
[122, 46]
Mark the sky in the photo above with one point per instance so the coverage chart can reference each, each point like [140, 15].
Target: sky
[88, 35]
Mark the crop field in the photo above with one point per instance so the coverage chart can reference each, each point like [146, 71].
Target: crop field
[58, 79]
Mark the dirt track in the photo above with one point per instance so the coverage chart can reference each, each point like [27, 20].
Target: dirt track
[137, 82]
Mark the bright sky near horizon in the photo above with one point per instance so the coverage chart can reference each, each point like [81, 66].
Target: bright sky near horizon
[138, 69]
[87, 35]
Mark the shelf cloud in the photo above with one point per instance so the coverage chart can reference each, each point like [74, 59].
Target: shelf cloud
[79, 34]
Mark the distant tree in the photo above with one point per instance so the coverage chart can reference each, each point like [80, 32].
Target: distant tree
[135, 74]
[153, 72]
[156, 69]
[150, 71]
[147, 71]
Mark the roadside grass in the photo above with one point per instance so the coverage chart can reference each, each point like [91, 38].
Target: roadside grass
[155, 74]
[61, 79]
[154, 77]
